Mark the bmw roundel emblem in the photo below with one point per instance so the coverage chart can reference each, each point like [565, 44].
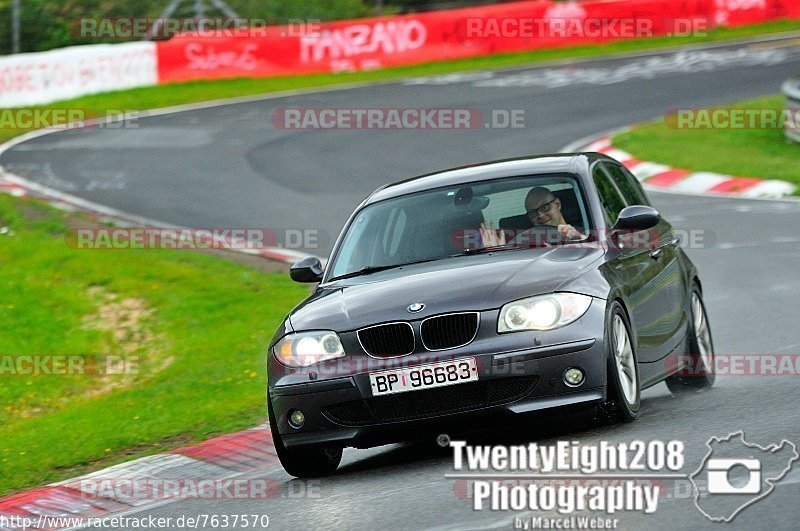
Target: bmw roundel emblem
[416, 307]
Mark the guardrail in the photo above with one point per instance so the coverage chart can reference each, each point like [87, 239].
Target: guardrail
[792, 90]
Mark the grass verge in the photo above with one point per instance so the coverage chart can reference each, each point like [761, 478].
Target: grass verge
[198, 91]
[193, 327]
[762, 153]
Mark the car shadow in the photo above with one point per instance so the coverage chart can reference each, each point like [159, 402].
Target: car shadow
[541, 428]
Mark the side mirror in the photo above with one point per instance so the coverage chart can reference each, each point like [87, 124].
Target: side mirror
[307, 270]
[637, 217]
[633, 219]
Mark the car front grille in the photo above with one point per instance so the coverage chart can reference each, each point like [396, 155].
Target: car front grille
[387, 340]
[449, 331]
[432, 402]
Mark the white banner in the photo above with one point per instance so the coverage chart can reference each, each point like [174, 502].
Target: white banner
[45, 77]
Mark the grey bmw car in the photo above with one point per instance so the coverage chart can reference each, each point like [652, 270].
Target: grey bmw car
[485, 293]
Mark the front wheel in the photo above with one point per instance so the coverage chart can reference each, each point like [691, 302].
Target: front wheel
[308, 462]
[700, 373]
[624, 390]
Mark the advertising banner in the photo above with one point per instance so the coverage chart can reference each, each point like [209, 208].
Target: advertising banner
[44, 77]
[366, 44]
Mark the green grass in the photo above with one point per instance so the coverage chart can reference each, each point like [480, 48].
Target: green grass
[763, 153]
[198, 91]
[197, 326]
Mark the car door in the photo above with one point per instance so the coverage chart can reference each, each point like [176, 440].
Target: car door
[646, 268]
[671, 294]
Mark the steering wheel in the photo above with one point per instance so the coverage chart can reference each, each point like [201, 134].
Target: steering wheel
[552, 234]
[540, 236]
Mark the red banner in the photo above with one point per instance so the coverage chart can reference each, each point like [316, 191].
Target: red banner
[791, 9]
[365, 44]
[742, 12]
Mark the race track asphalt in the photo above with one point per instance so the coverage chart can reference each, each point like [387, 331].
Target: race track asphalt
[229, 166]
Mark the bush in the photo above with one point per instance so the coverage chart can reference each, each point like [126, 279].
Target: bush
[48, 24]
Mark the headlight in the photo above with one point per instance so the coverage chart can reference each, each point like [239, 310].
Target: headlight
[544, 312]
[307, 348]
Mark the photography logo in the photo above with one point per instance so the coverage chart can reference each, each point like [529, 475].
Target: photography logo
[735, 474]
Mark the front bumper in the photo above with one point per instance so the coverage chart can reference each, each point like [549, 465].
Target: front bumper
[519, 374]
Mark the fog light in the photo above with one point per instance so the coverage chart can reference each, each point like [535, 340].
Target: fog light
[573, 377]
[296, 419]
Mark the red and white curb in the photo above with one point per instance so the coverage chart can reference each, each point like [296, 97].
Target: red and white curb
[667, 179]
[9, 187]
[227, 467]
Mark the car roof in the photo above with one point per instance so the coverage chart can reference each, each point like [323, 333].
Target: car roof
[574, 163]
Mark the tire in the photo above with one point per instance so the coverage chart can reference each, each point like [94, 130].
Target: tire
[307, 462]
[700, 347]
[623, 397]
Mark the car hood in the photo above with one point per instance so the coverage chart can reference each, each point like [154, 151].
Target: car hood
[478, 282]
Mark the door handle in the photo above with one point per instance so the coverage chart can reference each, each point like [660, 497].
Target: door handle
[655, 255]
[674, 241]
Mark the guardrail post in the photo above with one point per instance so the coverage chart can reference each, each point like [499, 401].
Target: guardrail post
[792, 91]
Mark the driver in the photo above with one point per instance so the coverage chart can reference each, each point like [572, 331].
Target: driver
[543, 208]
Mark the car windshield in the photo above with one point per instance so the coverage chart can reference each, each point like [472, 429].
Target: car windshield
[445, 222]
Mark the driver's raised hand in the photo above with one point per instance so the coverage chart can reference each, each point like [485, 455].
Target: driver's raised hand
[569, 232]
[492, 237]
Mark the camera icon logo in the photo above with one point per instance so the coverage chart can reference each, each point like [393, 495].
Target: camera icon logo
[735, 474]
[720, 480]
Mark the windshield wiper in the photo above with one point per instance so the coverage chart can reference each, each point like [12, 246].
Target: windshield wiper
[374, 269]
[491, 249]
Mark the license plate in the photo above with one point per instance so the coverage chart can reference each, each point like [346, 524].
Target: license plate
[423, 376]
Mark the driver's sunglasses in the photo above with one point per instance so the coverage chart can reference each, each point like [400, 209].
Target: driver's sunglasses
[544, 207]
